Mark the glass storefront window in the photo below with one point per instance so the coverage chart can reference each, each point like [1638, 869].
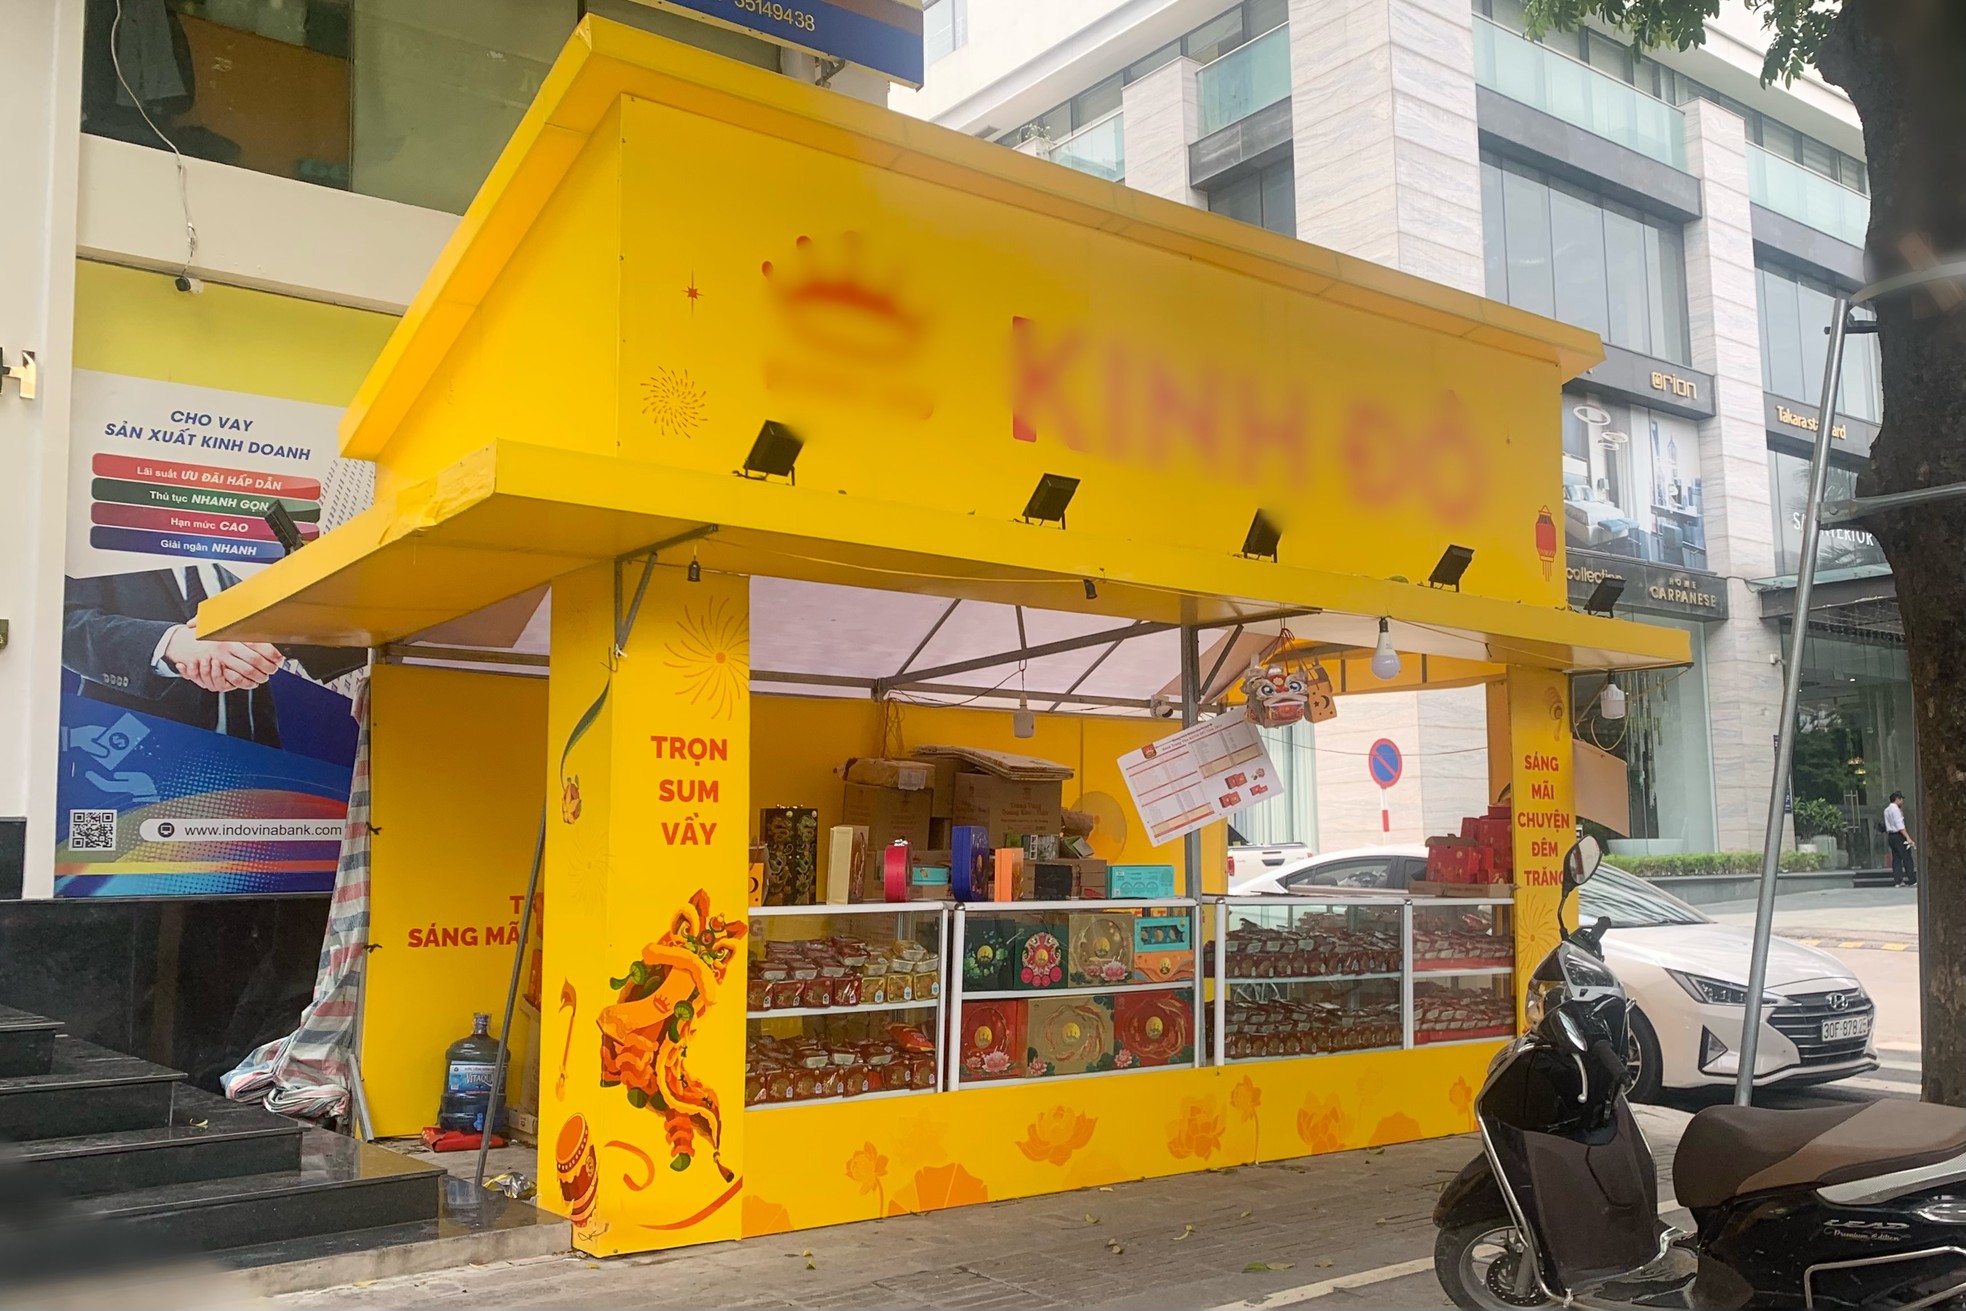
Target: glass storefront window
[1795, 312]
[409, 100]
[1663, 741]
[1631, 482]
[1855, 741]
[1560, 250]
[1840, 551]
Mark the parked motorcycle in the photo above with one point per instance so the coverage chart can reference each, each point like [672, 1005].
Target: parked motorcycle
[1845, 1207]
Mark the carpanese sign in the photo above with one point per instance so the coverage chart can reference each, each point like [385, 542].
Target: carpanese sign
[884, 35]
[1650, 589]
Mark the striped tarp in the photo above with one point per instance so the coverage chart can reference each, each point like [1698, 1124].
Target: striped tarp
[309, 1072]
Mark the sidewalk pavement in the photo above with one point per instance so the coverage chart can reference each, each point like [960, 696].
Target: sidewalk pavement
[1885, 917]
[1318, 1224]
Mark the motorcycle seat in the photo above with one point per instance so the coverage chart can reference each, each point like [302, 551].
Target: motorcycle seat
[1729, 1151]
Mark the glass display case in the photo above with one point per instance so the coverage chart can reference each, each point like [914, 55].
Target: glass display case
[1056, 989]
[844, 1001]
[1463, 970]
[1307, 977]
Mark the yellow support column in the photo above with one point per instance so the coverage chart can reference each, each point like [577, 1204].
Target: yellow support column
[642, 1081]
[1542, 784]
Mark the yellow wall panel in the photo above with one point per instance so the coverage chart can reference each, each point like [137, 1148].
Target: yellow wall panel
[829, 1163]
[137, 323]
[456, 792]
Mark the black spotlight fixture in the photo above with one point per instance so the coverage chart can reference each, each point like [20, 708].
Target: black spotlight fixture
[1453, 563]
[695, 571]
[773, 454]
[1260, 542]
[1047, 504]
[1605, 595]
[1091, 592]
[281, 521]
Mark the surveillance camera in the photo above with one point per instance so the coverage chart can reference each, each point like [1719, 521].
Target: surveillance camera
[1162, 708]
[190, 285]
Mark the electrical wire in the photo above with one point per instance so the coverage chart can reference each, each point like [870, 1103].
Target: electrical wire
[183, 180]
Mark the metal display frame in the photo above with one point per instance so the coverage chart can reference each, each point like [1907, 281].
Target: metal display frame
[1223, 984]
[939, 1003]
[1196, 982]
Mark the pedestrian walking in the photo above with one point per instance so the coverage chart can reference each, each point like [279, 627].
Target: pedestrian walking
[1904, 867]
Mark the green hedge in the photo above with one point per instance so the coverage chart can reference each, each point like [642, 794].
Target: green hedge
[1713, 862]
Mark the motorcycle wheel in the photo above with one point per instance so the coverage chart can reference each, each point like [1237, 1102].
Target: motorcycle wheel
[1644, 1059]
[1476, 1265]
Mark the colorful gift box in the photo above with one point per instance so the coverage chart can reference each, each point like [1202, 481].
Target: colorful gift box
[1163, 947]
[1153, 1028]
[1140, 882]
[791, 843]
[988, 942]
[1099, 947]
[1070, 1035]
[1037, 955]
[995, 1042]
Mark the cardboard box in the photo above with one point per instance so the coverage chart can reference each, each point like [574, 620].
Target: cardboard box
[1008, 808]
[908, 775]
[888, 814]
[1091, 879]
[943, 805]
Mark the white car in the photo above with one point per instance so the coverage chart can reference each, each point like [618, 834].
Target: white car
[1292, 869]
[1685, 974]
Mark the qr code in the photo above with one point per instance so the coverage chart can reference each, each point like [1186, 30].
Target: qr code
[92, 830]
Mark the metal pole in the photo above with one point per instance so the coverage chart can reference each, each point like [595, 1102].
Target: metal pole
[1190, 716]
[512, 997]
[1805, 575]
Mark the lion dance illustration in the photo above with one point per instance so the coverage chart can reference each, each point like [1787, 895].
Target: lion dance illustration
[645, 1033]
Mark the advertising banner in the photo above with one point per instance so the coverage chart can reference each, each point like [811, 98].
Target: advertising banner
[189, 766]
[1190, 779]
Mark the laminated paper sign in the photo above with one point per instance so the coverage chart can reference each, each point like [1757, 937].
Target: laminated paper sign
[1199, 775]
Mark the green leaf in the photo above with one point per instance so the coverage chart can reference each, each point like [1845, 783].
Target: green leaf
[680, 1163]
[1263, 1267]
[637, 1098]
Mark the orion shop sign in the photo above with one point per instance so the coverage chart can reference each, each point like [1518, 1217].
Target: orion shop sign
[1676, 593]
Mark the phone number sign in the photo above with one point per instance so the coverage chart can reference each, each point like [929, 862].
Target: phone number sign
[884, 35]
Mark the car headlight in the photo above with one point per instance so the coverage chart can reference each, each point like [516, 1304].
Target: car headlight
[1718, 992]
[1543, 995]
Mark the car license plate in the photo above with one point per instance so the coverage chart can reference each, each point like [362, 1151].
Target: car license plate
[1854, 1026]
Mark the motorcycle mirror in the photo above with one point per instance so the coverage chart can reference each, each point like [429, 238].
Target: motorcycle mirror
[1580, 863]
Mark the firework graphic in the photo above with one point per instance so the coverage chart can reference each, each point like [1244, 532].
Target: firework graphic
[674, 400]
[712, 653]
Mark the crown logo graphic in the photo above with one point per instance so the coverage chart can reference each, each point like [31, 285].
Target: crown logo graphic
[829, 300]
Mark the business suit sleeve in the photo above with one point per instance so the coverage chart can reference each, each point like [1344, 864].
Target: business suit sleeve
[324, 664]
[109, 648]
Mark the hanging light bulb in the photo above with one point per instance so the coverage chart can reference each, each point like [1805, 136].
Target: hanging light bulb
[1022, 722]
[1611, 701]
[1385, 660]
[695, 569]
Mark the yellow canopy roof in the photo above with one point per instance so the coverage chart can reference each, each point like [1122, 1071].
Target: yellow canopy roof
[674, 248]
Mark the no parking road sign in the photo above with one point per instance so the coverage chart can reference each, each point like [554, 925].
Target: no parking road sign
[1385, 762]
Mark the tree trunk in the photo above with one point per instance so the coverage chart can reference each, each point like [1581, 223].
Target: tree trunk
[1901, 61]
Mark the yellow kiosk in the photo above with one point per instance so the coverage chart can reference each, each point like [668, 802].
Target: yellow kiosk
[705, 324]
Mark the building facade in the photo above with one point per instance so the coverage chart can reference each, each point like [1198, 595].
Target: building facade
[1698, 222]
